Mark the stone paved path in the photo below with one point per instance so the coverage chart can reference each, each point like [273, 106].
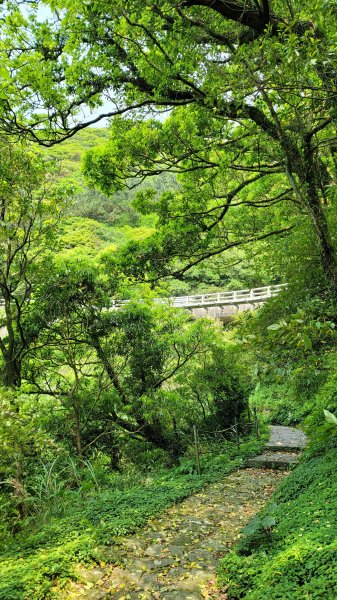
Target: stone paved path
[286, 437]
[282, 450]
[175, 557]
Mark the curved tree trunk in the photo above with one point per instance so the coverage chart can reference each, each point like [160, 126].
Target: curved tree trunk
[311, 182]
[327, 251]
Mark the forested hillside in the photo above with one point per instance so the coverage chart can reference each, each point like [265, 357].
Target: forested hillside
[217, 171]
[96, 221]
[89, 202]
[92, 220]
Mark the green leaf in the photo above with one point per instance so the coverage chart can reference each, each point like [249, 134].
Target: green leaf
[307, 342]
[268, 521]
[329, 417]
[253, 526]
[275, 327]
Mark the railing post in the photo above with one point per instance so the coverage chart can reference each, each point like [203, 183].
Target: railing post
[237, 438]
[256, 423]
[196, 447]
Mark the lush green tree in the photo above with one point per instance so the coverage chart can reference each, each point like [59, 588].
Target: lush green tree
[24, 440]
[218, 387]
[31, 204]
[115, 372]
[216, 208]
[30, 208]
[260, 75]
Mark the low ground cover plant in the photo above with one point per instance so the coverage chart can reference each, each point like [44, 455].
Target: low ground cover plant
[299, 558]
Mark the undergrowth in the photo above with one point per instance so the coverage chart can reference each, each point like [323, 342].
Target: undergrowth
[38, 564]
[298, 559]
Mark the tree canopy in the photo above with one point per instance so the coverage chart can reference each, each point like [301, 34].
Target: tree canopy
[256, 78]
[218, 168]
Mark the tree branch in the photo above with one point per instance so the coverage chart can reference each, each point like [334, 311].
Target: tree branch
[229, 246]
[234, 11]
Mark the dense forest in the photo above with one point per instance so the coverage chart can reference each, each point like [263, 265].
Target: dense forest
[150, 150]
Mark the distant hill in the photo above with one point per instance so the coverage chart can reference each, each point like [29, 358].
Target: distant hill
[91, 203]
[70, 152]
[97, 222]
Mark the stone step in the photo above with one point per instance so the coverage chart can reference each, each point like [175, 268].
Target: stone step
[270, 447]
[274, 460]
[286, 439]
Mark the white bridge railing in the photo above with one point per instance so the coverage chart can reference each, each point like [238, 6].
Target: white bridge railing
[252, 296]
[223, 298]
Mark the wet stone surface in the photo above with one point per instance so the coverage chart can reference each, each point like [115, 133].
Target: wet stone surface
[282, 438]
[282, 450]
[275, 460]
[176, 556]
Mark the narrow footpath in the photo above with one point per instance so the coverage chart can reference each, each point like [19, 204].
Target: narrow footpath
[175, 557]
[282, 450]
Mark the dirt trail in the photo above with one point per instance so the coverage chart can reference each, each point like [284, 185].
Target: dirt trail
[175, 557]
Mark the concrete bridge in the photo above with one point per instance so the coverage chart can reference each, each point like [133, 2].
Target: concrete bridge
[222, 306]
[219, 305]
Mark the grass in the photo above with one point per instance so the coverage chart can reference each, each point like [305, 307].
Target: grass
[37, 564]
